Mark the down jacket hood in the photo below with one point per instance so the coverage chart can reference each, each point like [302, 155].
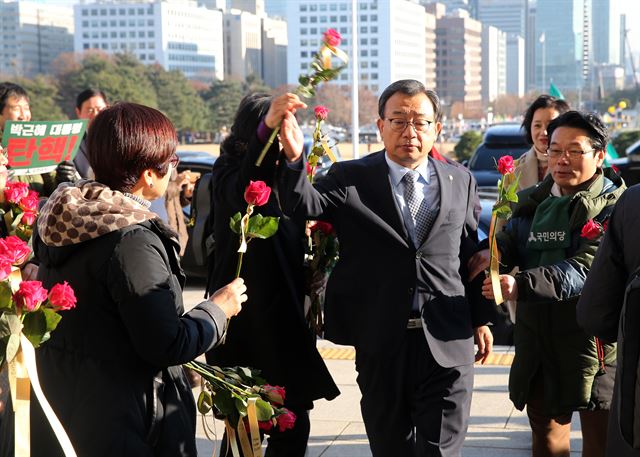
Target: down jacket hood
[86, 210]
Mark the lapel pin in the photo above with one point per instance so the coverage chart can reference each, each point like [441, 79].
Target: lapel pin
[450, 178]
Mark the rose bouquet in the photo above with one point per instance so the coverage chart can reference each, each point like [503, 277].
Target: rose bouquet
[246, 403]
[19, 209]
[322, 257]
[323, 71]
[28, 315]
[507, 195]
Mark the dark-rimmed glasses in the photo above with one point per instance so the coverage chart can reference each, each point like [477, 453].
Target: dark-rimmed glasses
[419, 125]
[574, 154]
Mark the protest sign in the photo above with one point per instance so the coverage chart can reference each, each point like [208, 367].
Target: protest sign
[38, 147]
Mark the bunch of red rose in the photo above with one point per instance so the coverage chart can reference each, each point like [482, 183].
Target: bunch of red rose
[229, 391]
[25, 306]
[20, 210]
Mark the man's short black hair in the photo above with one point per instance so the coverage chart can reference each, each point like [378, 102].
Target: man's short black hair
[589, 122]
[543, 101]
[89, 93]
[8, 90]
[410, 87]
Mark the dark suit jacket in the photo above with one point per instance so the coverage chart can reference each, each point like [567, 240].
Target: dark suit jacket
[270, 333]
[369, 294]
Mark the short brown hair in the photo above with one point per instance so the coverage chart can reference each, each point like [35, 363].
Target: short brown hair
[126, 139]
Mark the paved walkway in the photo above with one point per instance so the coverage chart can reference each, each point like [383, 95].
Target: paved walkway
[496, 428]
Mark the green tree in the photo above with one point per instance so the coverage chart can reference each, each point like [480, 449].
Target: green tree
[468, 143]
[122, 77]
[222, 99]
[43, 98]
[625, 139]
[178, 99]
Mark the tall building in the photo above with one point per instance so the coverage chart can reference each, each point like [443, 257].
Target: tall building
[512, 17]
[515, 65]
[606, 27]
[387, 36]
[459, 63]
[255, 44]
[507, 15]
[494, 63]
[33, 35]
[242, 45]
[563, 32]
[430, 50]
[177, 34]
[274, 51]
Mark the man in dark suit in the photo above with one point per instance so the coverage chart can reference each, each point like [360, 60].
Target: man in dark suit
[405, 223]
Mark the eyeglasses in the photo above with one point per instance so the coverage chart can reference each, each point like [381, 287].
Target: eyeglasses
[399, 125]
[574, 154]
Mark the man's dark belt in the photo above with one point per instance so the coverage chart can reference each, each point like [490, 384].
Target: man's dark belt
[415, 321]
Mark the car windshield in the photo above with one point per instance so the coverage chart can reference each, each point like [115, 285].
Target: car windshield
[486, 158]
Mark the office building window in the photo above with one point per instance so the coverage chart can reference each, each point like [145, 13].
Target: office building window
[374, 29]
[303, 19]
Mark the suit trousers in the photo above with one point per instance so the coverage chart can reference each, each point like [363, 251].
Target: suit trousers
[411, 406]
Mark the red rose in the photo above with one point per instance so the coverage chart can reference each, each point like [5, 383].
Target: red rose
[257, 193]
[591, 230]
[323, 227]
[14, 249]
[30, 201]
[286, 420]
[505, 165]
[16, 191]
[332, 38]
[30, 295]
[5, 267]
[275, 394]
[29, 217]
[265, 425]
[62, 297]
[605, 225]
[321, 112]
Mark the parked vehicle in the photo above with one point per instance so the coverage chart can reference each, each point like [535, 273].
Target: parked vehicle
[499, 140]
[629, 166]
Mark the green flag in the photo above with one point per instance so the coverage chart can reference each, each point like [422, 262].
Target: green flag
[555, 92]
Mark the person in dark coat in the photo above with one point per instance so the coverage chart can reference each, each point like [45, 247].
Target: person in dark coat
[552, 237]
[111, 370]
[271, 333]
[608, 309]
[406, 224]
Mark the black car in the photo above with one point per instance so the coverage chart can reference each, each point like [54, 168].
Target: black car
[499, 140]
[629, 166]
[199, 162]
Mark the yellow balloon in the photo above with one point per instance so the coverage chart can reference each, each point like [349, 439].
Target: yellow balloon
[612, 109]
[622, 104]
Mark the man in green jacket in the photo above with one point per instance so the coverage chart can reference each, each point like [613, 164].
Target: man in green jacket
[552, 237]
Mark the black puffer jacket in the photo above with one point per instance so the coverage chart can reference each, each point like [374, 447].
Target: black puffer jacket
[111, 369]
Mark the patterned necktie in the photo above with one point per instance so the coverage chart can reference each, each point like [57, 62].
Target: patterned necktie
[421, 215]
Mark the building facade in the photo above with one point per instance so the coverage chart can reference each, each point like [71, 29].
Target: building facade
[606, 27]
[459, 64]
[494, 63]
[32, 36]
[177, 34]
[516, 65]
[563, 31]
[387, 36]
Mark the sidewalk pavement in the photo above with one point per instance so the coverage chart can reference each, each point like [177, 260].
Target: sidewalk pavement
[496, 428]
